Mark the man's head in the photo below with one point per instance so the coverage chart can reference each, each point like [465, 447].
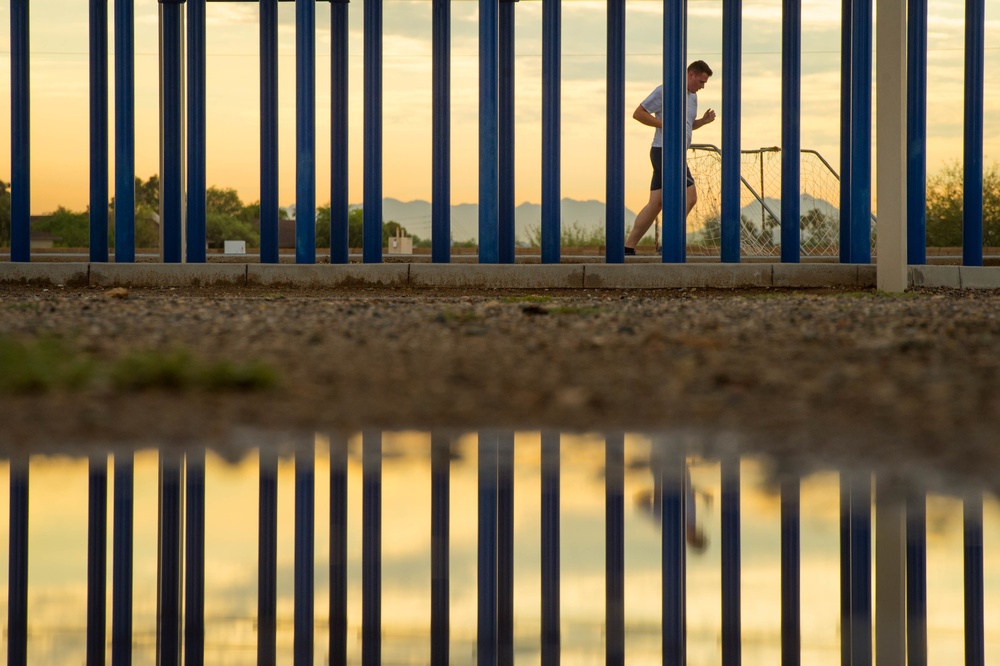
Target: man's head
[698, 73]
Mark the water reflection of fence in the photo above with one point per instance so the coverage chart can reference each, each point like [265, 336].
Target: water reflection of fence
[899, 539]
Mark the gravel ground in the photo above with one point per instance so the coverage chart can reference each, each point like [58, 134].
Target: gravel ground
[841, 376]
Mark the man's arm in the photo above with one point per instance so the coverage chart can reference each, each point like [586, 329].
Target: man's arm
[704, 120]
[645, 117]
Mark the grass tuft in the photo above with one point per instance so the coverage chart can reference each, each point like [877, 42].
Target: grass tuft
[49, 364]
[41, 365]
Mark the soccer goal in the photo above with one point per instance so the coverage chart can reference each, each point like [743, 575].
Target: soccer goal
[760, 203]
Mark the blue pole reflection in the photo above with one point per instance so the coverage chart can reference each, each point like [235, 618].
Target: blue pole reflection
[505, 549]
[17, 576]
[338, 550]
[440, 510]
[731, 552]
[614, 545]
[550, 548]
[168, 633]
[486, 640]
[371, 549]
[791, 626]
[305, 541]
[121, 590]
[267, 555]
[97, 559]
[975, 638]
[916, 581]
[194, 597]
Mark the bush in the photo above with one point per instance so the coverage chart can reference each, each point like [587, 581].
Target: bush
[220, 227]
[945, 207]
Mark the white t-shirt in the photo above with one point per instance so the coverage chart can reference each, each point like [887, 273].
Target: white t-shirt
[654, 104]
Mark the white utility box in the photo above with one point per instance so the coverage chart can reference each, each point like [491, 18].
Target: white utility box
[235, 247]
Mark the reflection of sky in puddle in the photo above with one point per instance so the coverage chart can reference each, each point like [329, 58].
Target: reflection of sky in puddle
[58, 561]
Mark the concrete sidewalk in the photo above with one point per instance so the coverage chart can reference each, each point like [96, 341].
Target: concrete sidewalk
[481, 276]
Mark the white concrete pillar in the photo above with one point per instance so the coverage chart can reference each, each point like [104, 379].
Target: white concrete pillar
[890, 143]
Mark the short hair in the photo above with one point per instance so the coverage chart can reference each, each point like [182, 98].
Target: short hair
[699, 67]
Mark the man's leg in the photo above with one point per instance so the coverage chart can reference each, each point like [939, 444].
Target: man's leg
[691, 197]
[645, 218]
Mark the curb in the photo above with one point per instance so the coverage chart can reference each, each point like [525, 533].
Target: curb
[489, 276]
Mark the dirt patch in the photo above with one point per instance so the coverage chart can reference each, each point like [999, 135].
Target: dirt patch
[836, 374]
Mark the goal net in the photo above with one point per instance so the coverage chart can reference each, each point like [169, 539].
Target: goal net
[760, 203]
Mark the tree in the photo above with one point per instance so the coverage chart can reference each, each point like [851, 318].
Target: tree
[355, 228]
[945, 204]
[220, 227]
[71, 229]
[224, 201]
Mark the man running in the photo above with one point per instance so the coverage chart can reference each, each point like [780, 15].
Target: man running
[650, 113]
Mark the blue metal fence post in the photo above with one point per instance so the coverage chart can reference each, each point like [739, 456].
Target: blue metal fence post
[674, 114]
[916, 130]
[17, 564]
[551, 634]
[124, 131]
[372, 240]
[121, 577]
[861, 132]
[489, 185]
[669, 468]
[371, 549]
[486, 573]
[505, 549]
[305, 131]
[972, 180]
[614, 549]
[168, 606]
[846, 139]
[791, 111]
[269, 209]
[97, 559]
[505, 130]
[614, 188]
[441, 130]
[196, 132]
[338, 550]
[916, 581]
[791, 625]
[98, 130]
[267, 556]
[731, 550]
[172, 145]
[975, 637]
[551, 143]
[732, 110]
[440, 536]
[20, 132]
[194, 569]
[305, 543]
[339, 172]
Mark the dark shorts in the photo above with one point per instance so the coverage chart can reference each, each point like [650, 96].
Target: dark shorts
[656, 157]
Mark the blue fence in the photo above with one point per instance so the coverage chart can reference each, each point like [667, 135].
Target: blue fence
[496, 32]
[181, 599]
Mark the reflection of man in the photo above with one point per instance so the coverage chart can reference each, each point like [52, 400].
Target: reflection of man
[650, 501]
[650, 113]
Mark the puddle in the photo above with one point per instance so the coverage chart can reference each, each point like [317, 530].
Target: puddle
[541, 470]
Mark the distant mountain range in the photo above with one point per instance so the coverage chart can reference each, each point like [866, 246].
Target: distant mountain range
[415, 216]
[589, 215]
